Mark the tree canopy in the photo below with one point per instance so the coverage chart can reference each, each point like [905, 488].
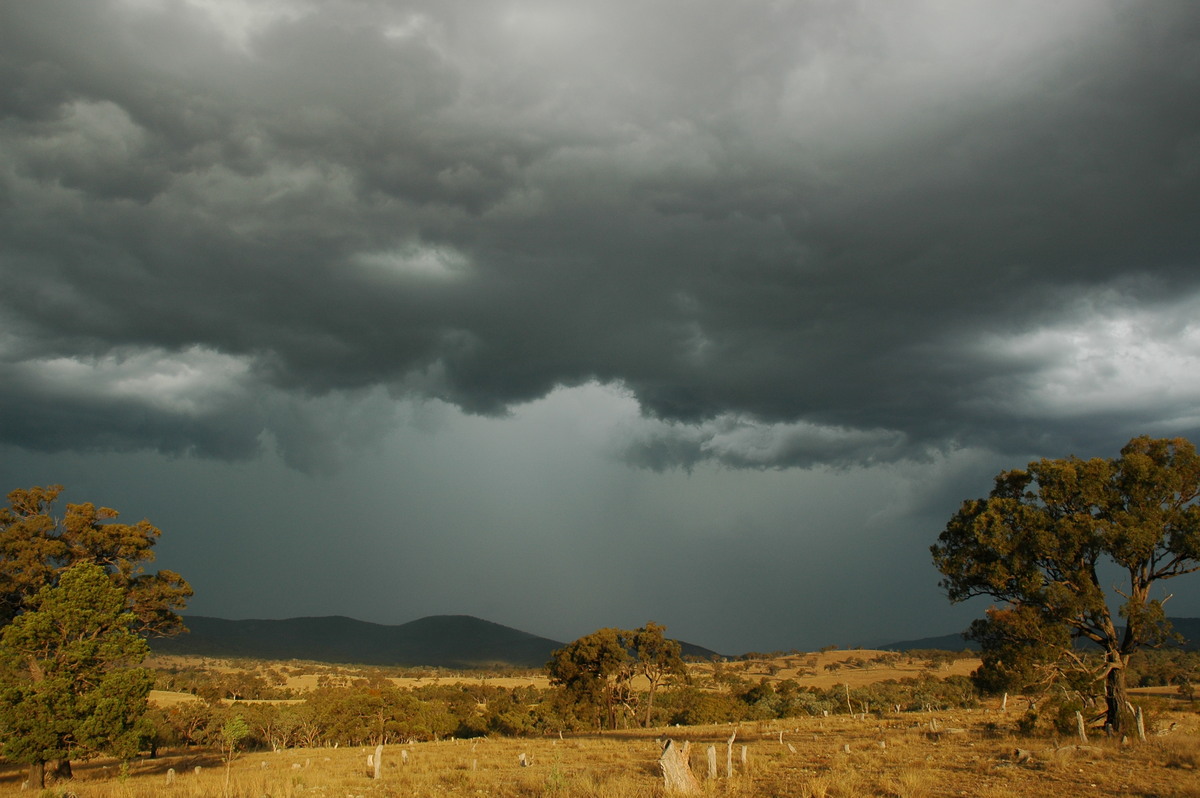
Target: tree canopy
[1045, 540]
[596, 671]
[36, 547]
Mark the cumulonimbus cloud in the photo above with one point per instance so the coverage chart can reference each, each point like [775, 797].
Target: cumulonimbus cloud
[801, 233]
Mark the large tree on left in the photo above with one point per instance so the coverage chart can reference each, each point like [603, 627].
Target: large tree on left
[83, 574]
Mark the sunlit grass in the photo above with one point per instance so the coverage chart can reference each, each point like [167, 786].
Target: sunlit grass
[890, 756]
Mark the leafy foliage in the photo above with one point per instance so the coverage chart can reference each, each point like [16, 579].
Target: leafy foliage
[595, 672]
[36, 548]
[70, 687]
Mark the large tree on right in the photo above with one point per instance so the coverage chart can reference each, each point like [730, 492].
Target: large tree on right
[1062, 544]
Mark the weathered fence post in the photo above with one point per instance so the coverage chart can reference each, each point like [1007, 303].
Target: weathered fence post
[170, 775]
[677, 772]
[729, 754]
[1141, 725]
[378, 761]
[711, 754]
[1080, 728]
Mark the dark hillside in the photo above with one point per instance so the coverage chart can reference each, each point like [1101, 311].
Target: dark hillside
[449, 641]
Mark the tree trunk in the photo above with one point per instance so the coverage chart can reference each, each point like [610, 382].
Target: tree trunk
[649, 704]
[37, 775]
[1116, 696]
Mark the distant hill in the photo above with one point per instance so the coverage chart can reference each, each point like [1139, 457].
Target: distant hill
[954, 642]
[447, 641]
[1189, 628]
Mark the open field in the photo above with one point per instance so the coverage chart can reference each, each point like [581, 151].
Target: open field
[854, 667]
[942, 754]
[905, 755]
[307, 676]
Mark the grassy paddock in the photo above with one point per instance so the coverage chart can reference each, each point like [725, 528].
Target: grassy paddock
[909, 755]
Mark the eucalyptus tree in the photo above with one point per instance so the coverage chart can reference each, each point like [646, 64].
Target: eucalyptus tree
[1044, 541]
[597, 670]
[657, 658]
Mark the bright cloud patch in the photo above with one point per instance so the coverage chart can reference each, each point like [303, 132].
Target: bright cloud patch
[187, 383]
[1109, 357]
[741, 442]
[413, 261]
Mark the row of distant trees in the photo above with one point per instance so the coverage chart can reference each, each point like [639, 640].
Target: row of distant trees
[390, 715]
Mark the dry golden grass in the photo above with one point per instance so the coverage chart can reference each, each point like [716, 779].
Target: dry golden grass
[307, 678]
[853, 667]
[893, 756]
[821, 670]
[168, 698]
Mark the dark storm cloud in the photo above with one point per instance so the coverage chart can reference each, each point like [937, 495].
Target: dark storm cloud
[798, 233]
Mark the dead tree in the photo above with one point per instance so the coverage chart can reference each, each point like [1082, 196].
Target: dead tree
[676, 770]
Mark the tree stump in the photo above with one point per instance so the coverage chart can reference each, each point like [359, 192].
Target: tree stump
[676, 770]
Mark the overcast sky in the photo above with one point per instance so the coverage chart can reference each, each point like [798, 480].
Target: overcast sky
[578, 314]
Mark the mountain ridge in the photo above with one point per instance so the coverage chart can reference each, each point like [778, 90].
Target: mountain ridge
[460, 642]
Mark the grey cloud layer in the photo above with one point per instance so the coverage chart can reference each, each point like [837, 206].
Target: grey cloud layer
[790, 230]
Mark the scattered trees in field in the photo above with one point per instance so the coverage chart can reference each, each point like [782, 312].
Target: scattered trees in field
[1040, 543]
[363, 716]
